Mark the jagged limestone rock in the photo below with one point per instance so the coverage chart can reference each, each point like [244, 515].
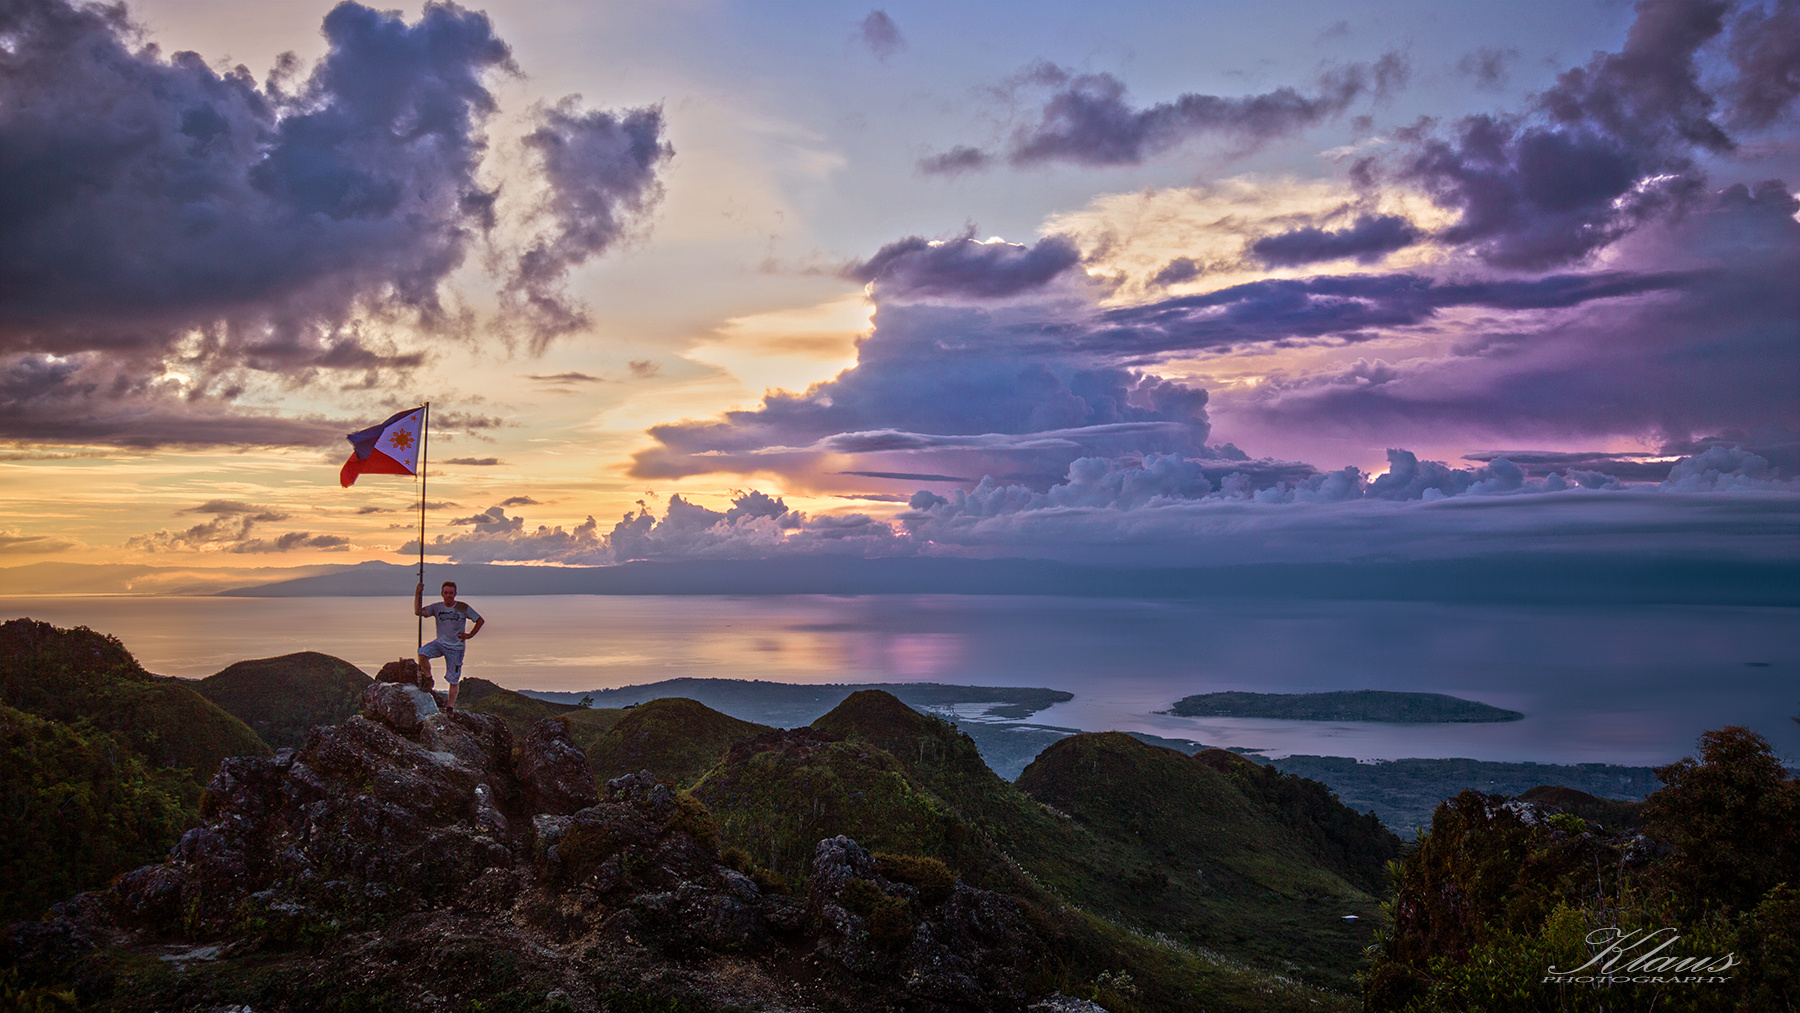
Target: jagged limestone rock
[399, 706]
[553, 771]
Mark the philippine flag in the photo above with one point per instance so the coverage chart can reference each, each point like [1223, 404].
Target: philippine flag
[386, 448]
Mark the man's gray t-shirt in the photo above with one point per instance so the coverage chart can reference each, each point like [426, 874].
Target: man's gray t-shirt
[450, 620]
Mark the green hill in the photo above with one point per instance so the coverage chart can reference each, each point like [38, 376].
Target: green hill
[1179, 849]
[76, 674]
[1355, 846]
[282, 698]
[676, 739]
[906, 783]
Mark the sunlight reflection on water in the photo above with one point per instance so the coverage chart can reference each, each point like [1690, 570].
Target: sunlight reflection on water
[1612, 684]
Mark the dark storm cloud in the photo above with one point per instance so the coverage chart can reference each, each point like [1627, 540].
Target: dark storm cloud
[1609, 147]
[964, 266]
[880, 34]
[1087, 120]
[1368, 239]
[173, 236]
[352, 187]
[1765, 51]
[601, 170]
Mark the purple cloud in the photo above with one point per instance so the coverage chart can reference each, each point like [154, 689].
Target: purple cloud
[964, 266]
[1086, 119]
[1368, 240]
[880, 34]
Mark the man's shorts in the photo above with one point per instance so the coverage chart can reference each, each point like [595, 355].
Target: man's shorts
[453, 659]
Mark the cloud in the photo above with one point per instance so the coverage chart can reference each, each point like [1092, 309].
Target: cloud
[1765, 51]
[1698, 351]
[880, 34]
[600, 169]
[1086, 119]
[1489, 66]
[476, 462]
[1608, 148]
[1368, 240]
[958, 160]
[272, 214]
[943, 390]
[513, 501]
[1167, 509]
[1347, 307]
[15, 543]
[565, 378]
[964, 266]
[643, 369]
[177, 241]
[231, 529]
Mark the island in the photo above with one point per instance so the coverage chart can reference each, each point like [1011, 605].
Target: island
[1354, 705]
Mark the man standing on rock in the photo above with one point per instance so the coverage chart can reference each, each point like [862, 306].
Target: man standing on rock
[450, 615]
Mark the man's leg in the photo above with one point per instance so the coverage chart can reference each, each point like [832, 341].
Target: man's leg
[425, 666]
[453, 660]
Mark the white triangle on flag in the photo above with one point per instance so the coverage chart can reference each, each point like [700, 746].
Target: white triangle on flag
[400, 441]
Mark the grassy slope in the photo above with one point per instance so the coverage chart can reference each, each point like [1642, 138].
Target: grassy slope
[676, 739]
[1142, 820]
[1179, 849]
[77, 674]
[282, 698]
[907, 782]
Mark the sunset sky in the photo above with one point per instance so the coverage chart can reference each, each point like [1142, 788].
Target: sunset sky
[1133, 282]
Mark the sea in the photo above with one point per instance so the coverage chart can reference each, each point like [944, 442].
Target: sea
[1600, 684]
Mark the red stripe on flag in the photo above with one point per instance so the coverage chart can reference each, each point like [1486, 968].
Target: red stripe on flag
[377, 463]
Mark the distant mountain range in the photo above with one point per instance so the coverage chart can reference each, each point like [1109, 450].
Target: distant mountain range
[1508, 578]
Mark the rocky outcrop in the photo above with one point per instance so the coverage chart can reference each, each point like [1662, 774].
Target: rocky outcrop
[410, 831]
[553, 771]
[405, 671]
[400, 706]
[959, 947]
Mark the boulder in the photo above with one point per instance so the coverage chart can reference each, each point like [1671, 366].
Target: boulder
[399, 706]
[405, 671]
[553, 772]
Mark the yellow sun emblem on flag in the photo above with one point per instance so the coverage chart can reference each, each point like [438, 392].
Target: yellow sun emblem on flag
[401, 439]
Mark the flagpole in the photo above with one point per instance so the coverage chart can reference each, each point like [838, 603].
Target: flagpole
[424, 444]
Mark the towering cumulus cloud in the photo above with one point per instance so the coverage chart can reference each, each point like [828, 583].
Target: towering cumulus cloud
[172, 235]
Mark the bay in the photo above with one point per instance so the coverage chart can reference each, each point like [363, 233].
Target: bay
[1612, 684]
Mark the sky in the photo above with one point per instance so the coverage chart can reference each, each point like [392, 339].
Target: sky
[1136, 283]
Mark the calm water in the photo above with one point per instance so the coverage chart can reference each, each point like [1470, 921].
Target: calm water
[1620, 685]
